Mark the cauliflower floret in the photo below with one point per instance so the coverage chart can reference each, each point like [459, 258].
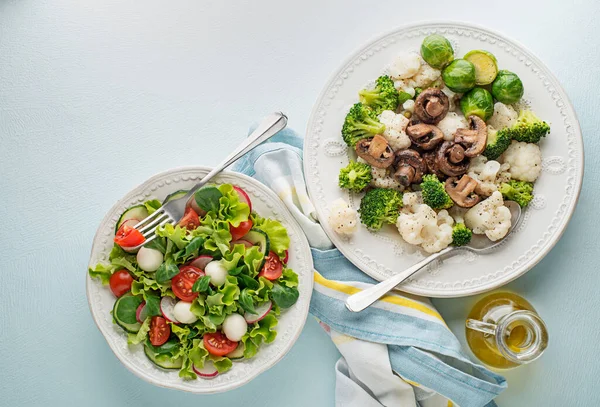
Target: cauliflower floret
[343, 218]
[418, 224]
[525, 160]
[424, 77]
[395, 126]
[490, 217]
[449, 124]
[382, 179]
[504, 116]
[409, 105]
[452, 96]
[405, 65]
[489, 174]
[458, 213]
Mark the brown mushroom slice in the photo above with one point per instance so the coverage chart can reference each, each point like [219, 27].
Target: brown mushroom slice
[474, 138]
[425, 136]
[462, 191]
[431, 105]
[410, 167]
[432, 168]
[447, 159]
[376, 151]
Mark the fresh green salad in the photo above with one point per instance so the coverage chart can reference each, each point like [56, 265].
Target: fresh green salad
[206, 291]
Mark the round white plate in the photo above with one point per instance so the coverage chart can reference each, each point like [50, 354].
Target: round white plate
[291, 322]
[382, 254]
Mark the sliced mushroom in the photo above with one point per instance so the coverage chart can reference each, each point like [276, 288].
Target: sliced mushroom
[376, 151]
[474, 138]
[432, 168]
[410, 167]
[431, 105]
[425, 136]
[462, 191]
[451, 159]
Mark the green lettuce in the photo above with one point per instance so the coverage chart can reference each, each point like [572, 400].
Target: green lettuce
[140, 336]
[152, 206]
[288, 278]
[253, 259]
[102, 271]
[175, 234]
[230, 207]
[216, 232]
[262, 331]
[231, 259]
[278, 237]
[119, 259]
[198, 355]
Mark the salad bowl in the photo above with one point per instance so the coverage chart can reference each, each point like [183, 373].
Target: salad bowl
[290, 324]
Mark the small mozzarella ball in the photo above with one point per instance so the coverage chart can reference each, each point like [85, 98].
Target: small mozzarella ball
[217, 273]
[234, 327]
[183, 313]
[149, 259]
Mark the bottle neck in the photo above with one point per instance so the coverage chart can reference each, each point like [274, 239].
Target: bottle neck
[521, 336]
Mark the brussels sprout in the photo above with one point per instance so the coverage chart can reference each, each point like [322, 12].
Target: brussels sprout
[486, 66]
[478, 102]
[437, 51]
[507, 88]
[459, 76]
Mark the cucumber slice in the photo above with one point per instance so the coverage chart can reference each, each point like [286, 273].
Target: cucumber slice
[124, 312]
[237, 353]
[137, 212]
[175, 195]
[260, 238]
[163, 361]
[486, 66]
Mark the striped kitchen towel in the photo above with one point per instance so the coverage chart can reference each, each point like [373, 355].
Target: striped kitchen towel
[399, 351]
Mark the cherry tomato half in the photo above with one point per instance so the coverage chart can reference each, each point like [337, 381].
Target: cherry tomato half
[128, 236]
[190, 219]
[159, 331]
[241, 230]
[217, 344]
[273, 268]
[120, 282]
[183, 282]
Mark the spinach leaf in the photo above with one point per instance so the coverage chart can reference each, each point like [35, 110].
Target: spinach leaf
[201, 285]
[194, 245]
[247, 281]
[208, 199]
[166, 271]
[246, 301]
[170, 347]
[153, 305]
[236, 271]
[284, 296]
[157, 244]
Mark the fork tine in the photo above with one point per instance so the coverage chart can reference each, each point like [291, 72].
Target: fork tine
[149, 218]
[149, 232]
[150, 226]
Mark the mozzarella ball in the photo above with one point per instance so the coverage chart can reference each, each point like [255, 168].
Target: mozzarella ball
[183, 313]
[149, 259]
[234, 327]
[217, 273]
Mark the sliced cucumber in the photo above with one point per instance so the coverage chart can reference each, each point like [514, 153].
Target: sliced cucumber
[486, 66]
[175, 195]
[163, 361]
[124, 312]
[237, 353]
[260, 238]
[137, 212]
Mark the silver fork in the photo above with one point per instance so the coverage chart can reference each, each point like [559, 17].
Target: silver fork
[173, 210]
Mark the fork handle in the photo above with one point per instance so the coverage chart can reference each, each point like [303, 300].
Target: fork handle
[361, 300]
[270, 126]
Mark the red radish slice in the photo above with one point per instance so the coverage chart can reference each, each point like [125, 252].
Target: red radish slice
[208, 371]
[166, 307]
[243, 196]
[140, 313]
[201, 261]
[286, 258]
[194, 205]
[242, 241]
[261, 312]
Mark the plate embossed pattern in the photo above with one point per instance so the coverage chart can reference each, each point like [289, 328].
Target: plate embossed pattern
[378, 255]
[291, 322]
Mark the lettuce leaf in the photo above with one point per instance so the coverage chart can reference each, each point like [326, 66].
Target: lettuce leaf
[102, 271]
[262, 330]
[289, 278]
[231, 259]
[198, 356]
[253, 259]
[216, 232]
[152, 205]
[278, 237]
[230, 207]
[140, 336]
[175, 234]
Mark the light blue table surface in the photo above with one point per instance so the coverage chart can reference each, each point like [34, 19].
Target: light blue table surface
[96, 96]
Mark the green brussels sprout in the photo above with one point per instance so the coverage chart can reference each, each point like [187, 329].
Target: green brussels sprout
[507, 87]
[437, 51]
[459, 76]
[478, 102]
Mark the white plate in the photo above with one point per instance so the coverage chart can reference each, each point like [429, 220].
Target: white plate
[291, 322]
[380, 255]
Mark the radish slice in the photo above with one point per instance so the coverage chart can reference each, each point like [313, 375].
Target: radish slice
[243, 196]
[286, 258]
[242, 241]
[201, 261]
[208, 371]
[140, 313]
[167, 304]
[261, 312]
[191, 203]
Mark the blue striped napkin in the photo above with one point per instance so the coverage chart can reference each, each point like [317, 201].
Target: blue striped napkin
[399, 351]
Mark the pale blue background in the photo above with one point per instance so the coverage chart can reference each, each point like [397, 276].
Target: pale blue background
[97, 95]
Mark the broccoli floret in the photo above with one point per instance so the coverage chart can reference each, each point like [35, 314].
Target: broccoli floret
[355, 176]
[434, 193]
[461, 235]
[361, 122]
[519, 191]
[383, 97]
[380, 206]
[528, 128]
[497, 142]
